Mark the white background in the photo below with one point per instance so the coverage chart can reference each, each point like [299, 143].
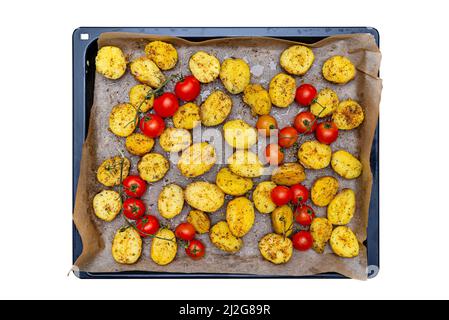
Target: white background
[36, 135]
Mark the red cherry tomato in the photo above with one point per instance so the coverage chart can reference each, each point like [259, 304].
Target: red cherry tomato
[188, 88]
[304, 215]
[266, 123]
[152, 125]
[305, 122]
[147, 225]
[305, 94]
[134, 186]
[281, 195]
[300, 194]
[274, 154]
[166, 105]
[326, 132]
[195, 249]
[287, 137]
[185, 231]
[133, 208]
[302, 240]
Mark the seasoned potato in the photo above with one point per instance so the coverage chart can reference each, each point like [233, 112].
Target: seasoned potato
[233, 184]
[341, 209]
[204, 196]
[152, 167]
[221, 236]
[282, 90]
[240, 216]
[215, 109]
[327, 103]
[245, 164]
[164, 247]
[107, 204]
[108, 172]
[126, 246]
[170, 201]
[110, 62]
[314, 155]
[163, 54]
[349, 115]
[297, 59]
[262, 197]
[197, 159]
[139, 144]
[205, 67]
[288, 174]
[344, 243]
[199, 220]
[147, 72]
[338, 69]
[138, 97]
[282, 220]
[324, 190]
[175, 140]
[276, 248]
[239, 135]
[258, 99]
[346, 165]
[321, 230]
[187, 116]
[123, 119]
[235, 75]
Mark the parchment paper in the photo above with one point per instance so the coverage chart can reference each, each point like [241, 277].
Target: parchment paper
[262, 54]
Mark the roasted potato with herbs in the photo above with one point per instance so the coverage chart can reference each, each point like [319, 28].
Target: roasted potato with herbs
[170, 201]
[348, 115]
[240, 216]
[321, 231]
[239, 134]
[199, 220]
[108, 172]
[204, 66]
[107, 204]
[314, 155]
[324, 190]
[346, 165]
[110, 62]
[338, 69]
[197, 159]
[288, 174]
[276, 248]
[126, 246]
[233, 184]
[326, 103]
[220, 235]
[245, 164]
[147, 72]
[342, 208]
[123, 119]
[297, 59]
[258, 99]
[344, 243]
[215, 109]
[235, 75]
[282, 220]
[164, 247]
[138, 97]
[175, 140]
[163, 54]
[187, 117]
[139, 144]
[152, 167]
[262, 197]
[204, 196]
[282, 90]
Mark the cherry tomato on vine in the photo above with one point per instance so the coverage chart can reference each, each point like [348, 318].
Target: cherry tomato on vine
[134, 186]
[304, 215]
[266, 123]
[305, 122]
[300, 194]
[274, 154]
[195, 249]
[326, 132]
[302, 240]
[305, 94]
[185, 231]
[147, 225]
[188, 88]
[152, 125]
[166, 105]
[133, 208]
[281, 195]
[287, 137]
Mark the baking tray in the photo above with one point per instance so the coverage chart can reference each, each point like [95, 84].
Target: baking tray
[84, 42]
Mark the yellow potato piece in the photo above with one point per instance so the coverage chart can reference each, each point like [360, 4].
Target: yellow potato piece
[327, 103]
[108, 172]
[258, 99]
[297, 59]
[262, 197]
[239, 134]
[221, 237]
[163, 54]
[163, 247]
[245, 164]
[139, 144]
[126, 246]
[152, 167]
[348, 115]
[282, 90]
[215, 109]
[276, 248]
[324, 190]
[187, 116]
[197, 159]
[123, 119]
[110, 62]
[344, 243]
[321, 230]
[170, 201]
[107, 204]
[314, 155]
[282, 220]
[199, 220]
[147, 72]
[240, 216]
[346, 165]
[204, 196]
[204, 66]
[342, 208]
[288, 174]
[175, 140]
[233, 184]
[235, 75]
[138, 97]
[338, 69]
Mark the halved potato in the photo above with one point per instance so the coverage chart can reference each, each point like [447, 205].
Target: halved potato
[175, 140]
[321, 230]
[341, 209]
[110, 62]
[282, 220]
[108, 172]
[346, 165]
[245, 164]
[262, 197]
[258, 99]
[163, 54]
[221, 237]
[324, 190]
[282, 90]
[164, 247]
[107, 204]
[138, 97]
[276, 248]
[348, 115]
[197, 159]
[239, 134]
[199, 220]
[126, 246]
[326, 103]
[235, 75]
[215, 109]
[240, 216]
[344, 243]
[204, 196]
[338, 69]
[170, 201]
[139, 144]
[297, 59]
[233, 184]
[123, 119]
[187, 116]
[288, 174]
[204, 66]
[147, 72]
[314, 155]
[152, 167]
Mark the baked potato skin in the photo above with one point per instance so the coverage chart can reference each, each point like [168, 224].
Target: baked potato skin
[346, 165]
[197, 159]
[163, 54]
[187, 117]
[204, 66]
[233, 184]
[175, 140]
[326, 98]
[110, 62]
[164, 247]
[258, 99]
[245, 164]
[137, 97]
[108, 172]
[204, 196]
[239, 134]
[321, 230]
[199, 220]
[276, 248]
[147, 72]
[152, 167]
[288, 174]
[123, 119]
[107, 205]
[220, 235]
[262, 197]
[170, 201]
[297, 59]
[235, 75]
[126, 246]
[215, 109]
[139, 144]
[240, 216]
[338, 69]
[314, 155]
[324, 190]
[342, 208]
[282, 220]
[344, 243]
[282, 90]
[348, 115]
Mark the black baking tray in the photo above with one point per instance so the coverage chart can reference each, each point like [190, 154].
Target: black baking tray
[84, 51]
